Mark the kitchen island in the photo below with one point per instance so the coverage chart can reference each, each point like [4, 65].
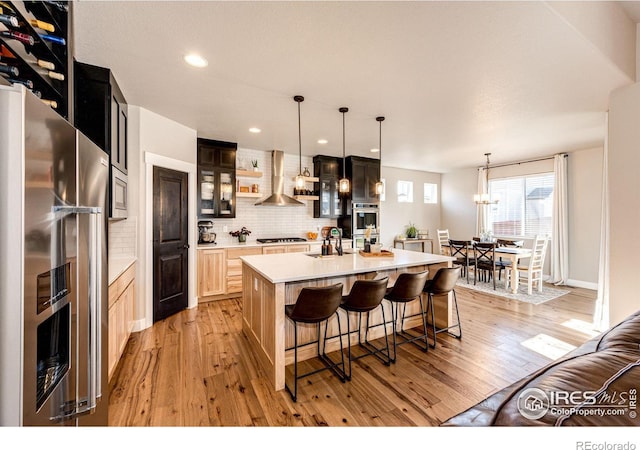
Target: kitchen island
[269, 282]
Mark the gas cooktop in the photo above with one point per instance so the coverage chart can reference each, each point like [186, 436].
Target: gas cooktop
[285, 239]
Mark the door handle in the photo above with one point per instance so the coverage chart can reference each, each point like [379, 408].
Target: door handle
[185, 247]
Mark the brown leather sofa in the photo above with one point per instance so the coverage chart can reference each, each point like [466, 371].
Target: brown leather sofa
[595, 385]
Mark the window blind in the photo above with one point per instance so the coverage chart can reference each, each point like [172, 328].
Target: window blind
[524, 207]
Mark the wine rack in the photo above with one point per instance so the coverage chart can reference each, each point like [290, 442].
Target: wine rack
[27, 38]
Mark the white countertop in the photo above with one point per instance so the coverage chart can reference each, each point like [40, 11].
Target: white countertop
[254, 243]
[117, 266]
[285, 267]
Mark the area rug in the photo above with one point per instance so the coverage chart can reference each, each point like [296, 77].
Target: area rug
[548, 293]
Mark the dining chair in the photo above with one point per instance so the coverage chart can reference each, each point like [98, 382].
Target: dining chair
[443, 240]
[460, 251]
[509, 243]
[484, 254]
[532, 271]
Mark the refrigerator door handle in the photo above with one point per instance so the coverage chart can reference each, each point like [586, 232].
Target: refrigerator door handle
[95, 310]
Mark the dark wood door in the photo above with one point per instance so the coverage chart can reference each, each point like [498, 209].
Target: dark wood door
[170, 242]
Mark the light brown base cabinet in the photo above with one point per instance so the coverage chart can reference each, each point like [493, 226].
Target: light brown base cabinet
[220, 270]
[210, 273]
[122, 293]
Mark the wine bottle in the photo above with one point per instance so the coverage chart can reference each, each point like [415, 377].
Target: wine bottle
[39, 62]
[57, 4]
[52, 38]
[46, 26]
[51, 74]
[10, 21]
[27, 83]
[18, 36]
[9, 70]
[51, 103]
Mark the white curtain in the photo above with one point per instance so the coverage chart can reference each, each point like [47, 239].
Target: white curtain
[560, 229]
[482, 224]
[601, 313]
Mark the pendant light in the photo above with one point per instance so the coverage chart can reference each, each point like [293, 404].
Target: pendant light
[299, 178]
[343, 185]
[380, 184]
[482, 198]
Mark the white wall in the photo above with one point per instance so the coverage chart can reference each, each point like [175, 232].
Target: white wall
[457, 208]
[152, 133]
[395, 216]
[624, 189]
[584, 191]
[584, 181]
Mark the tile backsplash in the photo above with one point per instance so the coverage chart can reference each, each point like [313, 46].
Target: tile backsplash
[122, 237]
[270, 221]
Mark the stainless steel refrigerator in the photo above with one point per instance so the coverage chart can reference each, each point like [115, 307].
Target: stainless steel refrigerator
[53, 268]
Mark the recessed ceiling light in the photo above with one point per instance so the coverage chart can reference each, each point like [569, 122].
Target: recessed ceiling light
[196, 60]
[322, 141]
[375, 150]
[255, 130]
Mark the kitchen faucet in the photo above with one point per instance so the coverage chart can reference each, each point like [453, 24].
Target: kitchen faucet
[339, 239]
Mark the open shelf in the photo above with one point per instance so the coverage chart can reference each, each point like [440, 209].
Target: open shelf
[248, 173]
[249, 194]
[306, 197]
[308, 179]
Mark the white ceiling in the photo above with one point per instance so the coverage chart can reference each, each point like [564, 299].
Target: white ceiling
[454, 79]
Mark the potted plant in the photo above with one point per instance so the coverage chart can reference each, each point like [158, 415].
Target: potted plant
[241, 234]
[412, 231]
[254, 164]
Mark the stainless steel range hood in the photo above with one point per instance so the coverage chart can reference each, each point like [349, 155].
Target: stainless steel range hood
[278, 197]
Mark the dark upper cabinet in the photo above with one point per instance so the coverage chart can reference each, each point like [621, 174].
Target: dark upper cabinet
[363, 173]
[216, 178]
[101, 111]
[328, 169]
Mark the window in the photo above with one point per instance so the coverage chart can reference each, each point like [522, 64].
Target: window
[405, 191]
[430, 193]
[524, 207]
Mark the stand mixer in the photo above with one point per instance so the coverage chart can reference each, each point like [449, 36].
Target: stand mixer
[205, 232]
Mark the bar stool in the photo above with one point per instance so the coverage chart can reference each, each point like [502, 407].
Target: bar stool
[364, 297]
[408, 287]
[442, 283]
[315, 305]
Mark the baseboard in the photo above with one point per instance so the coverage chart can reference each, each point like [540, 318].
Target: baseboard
[139, 325]
[582, 284]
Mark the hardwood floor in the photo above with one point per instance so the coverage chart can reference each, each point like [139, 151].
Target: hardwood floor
[195, 369]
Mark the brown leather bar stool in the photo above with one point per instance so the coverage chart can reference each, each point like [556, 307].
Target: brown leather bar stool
[443, 282]
[315, 305]
[364, 297]
[407, 288]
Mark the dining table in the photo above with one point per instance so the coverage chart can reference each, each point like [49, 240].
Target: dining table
[513, 254]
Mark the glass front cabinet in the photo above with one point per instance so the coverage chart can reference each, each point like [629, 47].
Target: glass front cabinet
[216, 179]
[328, 169]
